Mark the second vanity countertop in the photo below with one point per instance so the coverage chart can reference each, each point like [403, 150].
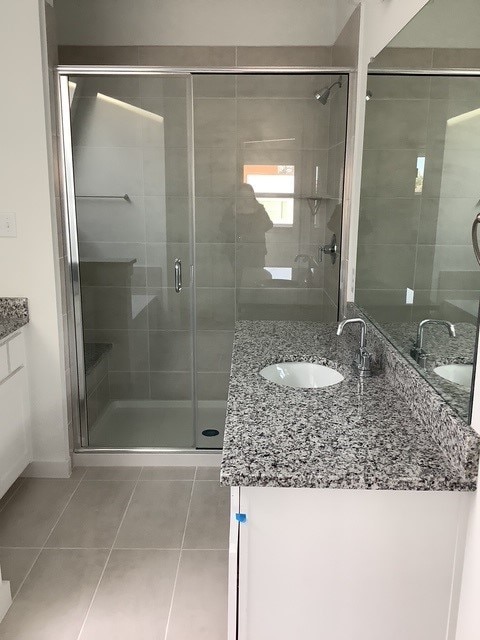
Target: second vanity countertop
[13, 315]
[352, 435]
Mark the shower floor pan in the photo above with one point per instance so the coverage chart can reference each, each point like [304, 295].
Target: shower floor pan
[158, 423]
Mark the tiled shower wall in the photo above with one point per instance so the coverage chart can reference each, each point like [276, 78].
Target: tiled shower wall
[419, 240]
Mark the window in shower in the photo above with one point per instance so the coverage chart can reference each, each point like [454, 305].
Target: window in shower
[274, 186]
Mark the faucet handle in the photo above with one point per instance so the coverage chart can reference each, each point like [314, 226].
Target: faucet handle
[364, 362]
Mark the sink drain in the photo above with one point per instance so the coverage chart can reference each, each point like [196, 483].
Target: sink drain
[209, 433]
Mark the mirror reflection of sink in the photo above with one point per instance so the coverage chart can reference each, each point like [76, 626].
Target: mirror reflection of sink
[301, 375]
[460, 374]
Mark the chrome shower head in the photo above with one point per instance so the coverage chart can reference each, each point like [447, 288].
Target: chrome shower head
[324, 94]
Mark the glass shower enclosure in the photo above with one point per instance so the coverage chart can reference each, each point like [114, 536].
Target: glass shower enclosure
[193, 201]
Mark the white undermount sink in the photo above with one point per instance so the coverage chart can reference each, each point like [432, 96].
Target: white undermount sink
[460, 374]
[301, 375]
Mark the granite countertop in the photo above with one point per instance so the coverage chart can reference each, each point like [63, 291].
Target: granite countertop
[13, 315]
[353, 435]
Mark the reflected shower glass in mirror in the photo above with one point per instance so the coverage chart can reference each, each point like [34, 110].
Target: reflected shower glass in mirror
[417, 276]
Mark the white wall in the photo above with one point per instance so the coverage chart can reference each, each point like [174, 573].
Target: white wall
[437, 25]
[196, 22]
[469, 612]
[384, 19]
[28, 263]
[343, 11]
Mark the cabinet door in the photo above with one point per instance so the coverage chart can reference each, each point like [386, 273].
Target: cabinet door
[349, 565]
[14, 438]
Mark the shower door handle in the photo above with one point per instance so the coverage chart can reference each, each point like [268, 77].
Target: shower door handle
[476, 249]
[178, 275]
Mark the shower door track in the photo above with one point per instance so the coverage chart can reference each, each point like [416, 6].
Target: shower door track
[74, 315]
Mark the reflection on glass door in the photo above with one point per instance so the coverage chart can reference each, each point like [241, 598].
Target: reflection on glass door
[131, 160]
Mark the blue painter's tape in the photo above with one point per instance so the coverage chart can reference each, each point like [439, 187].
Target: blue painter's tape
[241, 517]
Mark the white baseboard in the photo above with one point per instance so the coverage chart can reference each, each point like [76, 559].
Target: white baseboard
[49, 469]
[147, 459]
[5, 598]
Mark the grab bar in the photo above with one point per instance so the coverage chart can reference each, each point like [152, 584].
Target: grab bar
[178, 275]
[476, 248]
[124, 197]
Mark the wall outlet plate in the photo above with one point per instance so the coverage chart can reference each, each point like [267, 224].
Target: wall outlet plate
[8, 225]
[409, 296]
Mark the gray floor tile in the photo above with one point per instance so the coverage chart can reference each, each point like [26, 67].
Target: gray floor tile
[167, 473]
[93, 515]
[55, 597]
[28, 518]
[77, 473]
[134, 596]
[112, 473]
[15, 564]
[8, 495]
[200, 603]
[208, 473]
[208, 520]
[156, 515]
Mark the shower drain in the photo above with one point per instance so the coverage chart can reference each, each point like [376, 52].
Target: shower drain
[210, 432]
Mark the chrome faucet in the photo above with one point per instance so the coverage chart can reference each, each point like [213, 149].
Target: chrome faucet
[418, 353]
[363, 357]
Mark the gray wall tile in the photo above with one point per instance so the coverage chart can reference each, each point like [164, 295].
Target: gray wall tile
[283, 56]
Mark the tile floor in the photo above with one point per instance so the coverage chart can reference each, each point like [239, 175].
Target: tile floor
[116, 554]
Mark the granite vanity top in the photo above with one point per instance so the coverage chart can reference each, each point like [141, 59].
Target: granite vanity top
[13, 315]
[353, 435]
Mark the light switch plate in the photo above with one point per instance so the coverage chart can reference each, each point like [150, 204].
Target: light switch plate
[409, 296]
[8, 225]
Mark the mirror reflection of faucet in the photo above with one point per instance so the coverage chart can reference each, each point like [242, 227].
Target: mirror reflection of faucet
[311, 264]
[329, 250]
[418, 353]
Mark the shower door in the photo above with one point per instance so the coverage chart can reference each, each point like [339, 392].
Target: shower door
[132, 256]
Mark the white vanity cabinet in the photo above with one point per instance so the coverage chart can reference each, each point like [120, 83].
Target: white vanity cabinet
[15, 437]
[332, 564]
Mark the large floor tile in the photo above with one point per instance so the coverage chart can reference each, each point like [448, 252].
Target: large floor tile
[208, 473]
[54, 599]
[208, 519]
[134, 596]
[200, 602]
[15, 564]
[112, 473]
[29, 516]
[9, 493]
[167, 473]
[156, 516]
[93, 515]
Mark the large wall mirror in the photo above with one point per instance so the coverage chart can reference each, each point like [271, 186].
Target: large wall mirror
[417, 276]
